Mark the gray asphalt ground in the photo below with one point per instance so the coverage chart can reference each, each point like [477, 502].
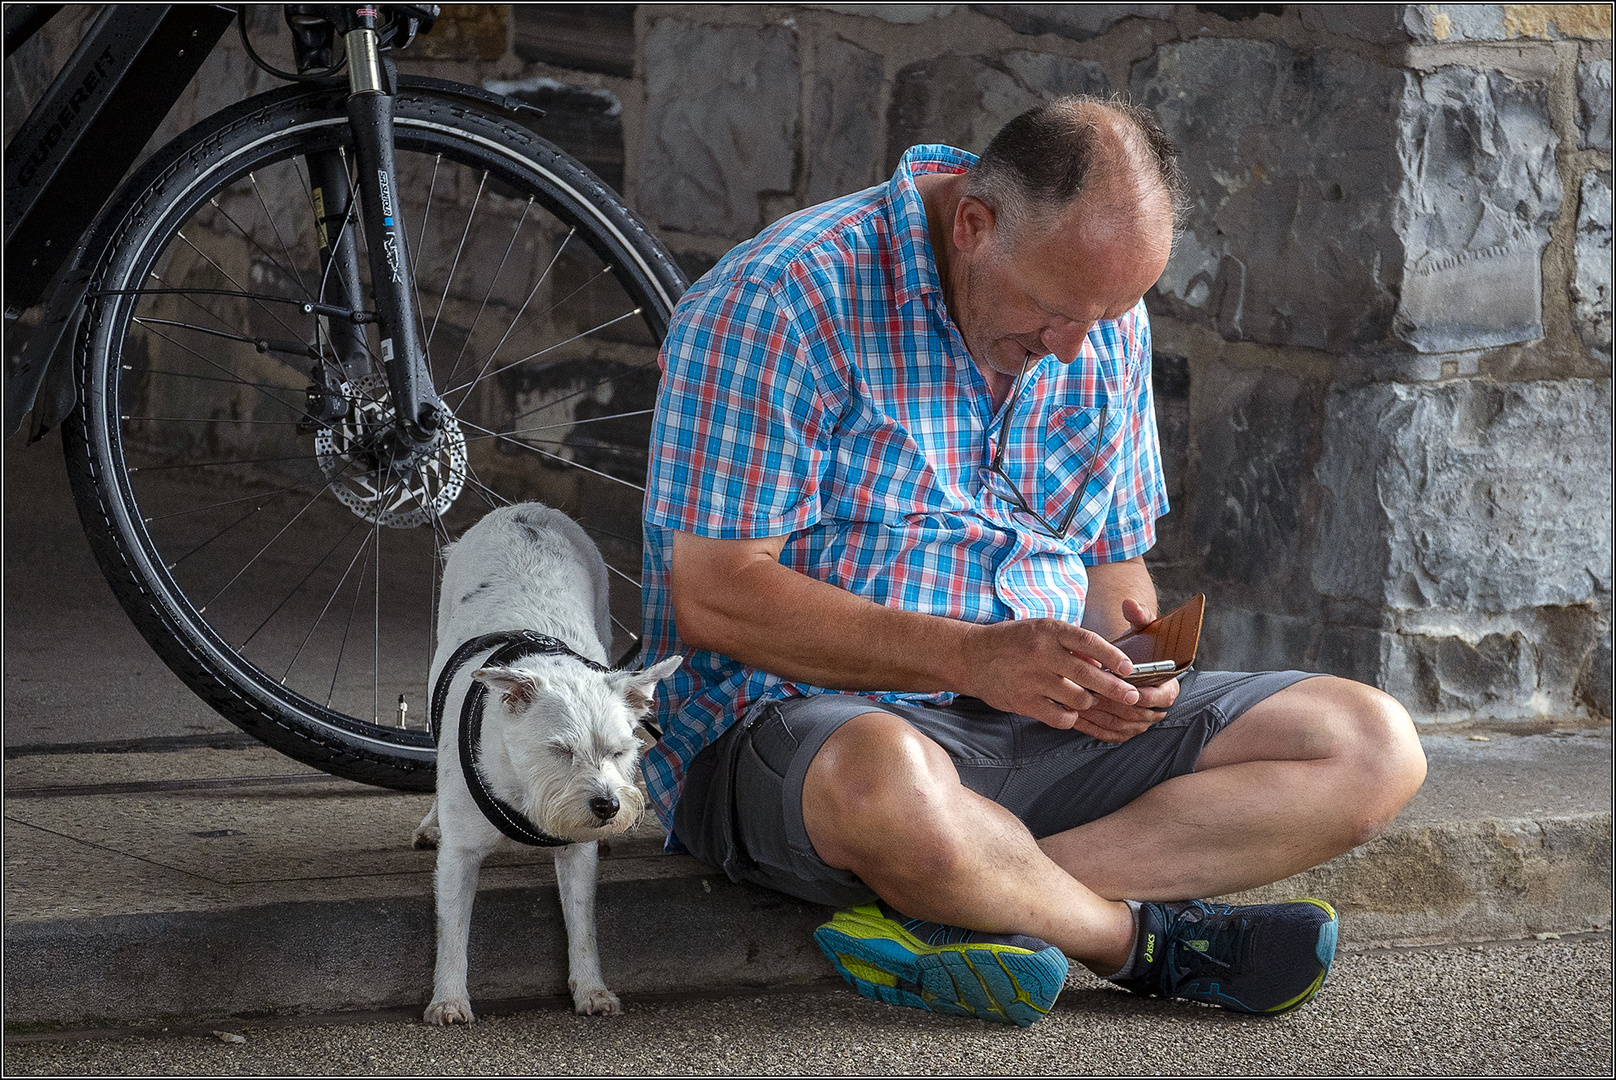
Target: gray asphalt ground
[1505, 1009]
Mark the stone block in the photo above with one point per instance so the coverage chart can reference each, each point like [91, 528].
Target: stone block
[1080, 22]
[1594, 104]
[902, 14]
[1292, 172]
[1256, 433]
[1434, 24]
[965, 100]
[586, 122]
[467, 32]
[1381, 24]
[1234, 639]
[1480, 190]
[1590, 288]
[720, 125]
[1338, 202]
[1594, 688]
[584, 37]
[844, 127]
[1485, 676]
[1466, 497]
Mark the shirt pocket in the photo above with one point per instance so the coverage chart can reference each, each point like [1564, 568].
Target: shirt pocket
[1081, 449]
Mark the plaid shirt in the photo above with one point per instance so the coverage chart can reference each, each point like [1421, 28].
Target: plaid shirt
[814, 385]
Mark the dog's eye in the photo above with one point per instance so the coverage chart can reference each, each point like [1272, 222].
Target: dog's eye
[619, 755]
[561, 752]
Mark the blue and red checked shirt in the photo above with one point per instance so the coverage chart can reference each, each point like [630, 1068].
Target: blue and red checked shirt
[814, 386]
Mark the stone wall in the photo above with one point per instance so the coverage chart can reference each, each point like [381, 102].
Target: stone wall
[1384, 339]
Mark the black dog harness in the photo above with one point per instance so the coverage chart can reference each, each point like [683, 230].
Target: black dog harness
[511, 645]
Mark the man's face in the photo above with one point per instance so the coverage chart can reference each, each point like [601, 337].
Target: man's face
[1040, 289]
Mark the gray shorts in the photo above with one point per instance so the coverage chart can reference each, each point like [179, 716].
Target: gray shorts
[741, 807]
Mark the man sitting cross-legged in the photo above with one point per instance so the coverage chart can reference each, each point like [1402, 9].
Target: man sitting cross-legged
[904, 471]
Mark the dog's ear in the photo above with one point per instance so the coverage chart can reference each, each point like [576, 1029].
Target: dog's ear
[516, 686]
[639, 687]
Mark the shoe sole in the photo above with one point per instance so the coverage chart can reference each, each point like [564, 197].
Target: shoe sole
[886, 963]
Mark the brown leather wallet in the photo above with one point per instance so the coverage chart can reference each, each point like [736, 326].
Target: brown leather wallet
[1175, 636]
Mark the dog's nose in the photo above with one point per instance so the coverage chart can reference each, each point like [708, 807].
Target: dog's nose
[604, 806]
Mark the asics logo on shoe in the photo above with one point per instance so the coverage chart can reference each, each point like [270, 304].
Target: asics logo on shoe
[1150, 948]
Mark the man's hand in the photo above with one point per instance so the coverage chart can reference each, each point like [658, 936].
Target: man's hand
[1117, 722]
[1051, 671]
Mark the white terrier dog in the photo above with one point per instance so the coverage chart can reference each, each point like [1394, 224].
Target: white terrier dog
[559, 744]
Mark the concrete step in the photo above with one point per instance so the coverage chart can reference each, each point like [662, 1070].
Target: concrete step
[224, 879]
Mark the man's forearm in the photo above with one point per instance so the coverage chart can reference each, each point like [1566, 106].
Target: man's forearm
[1109, 585]
[772, 617]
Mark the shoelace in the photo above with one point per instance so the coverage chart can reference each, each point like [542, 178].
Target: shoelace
[1221, 938]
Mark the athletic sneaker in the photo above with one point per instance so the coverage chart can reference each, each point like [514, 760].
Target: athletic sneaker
[1008, 978]
[1261, 958]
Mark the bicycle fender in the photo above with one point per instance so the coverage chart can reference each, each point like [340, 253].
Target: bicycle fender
[508, 105]
[41, 357]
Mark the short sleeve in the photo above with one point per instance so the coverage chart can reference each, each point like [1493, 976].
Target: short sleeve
[737, 444]
[1139, 496]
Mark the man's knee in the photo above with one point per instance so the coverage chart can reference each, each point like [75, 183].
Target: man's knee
[879, 790]
[1380, 751]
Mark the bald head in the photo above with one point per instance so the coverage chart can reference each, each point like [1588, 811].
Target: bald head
[1110, 155]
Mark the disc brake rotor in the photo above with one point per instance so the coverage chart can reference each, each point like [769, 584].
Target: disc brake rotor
[397, 494]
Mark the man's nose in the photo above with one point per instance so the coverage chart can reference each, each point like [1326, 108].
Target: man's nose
[1066, 341]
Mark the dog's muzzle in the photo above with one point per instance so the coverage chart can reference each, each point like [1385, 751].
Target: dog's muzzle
[511, 645]
[604, 807]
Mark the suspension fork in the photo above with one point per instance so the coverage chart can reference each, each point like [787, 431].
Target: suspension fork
[370, 117]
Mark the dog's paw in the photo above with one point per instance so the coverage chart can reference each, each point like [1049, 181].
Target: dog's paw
[444, 1013]
[596, 1001]
[426, 838]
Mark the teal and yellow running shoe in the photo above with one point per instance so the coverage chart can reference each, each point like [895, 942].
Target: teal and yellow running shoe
[1258, 958]
[1010, 979]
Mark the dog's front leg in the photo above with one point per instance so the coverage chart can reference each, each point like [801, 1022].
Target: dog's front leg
[576, 865]
[456, 888]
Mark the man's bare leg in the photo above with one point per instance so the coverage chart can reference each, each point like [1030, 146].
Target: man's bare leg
[1311, 772]
[882, 800]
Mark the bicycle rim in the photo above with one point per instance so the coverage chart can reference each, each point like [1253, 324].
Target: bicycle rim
[283, 566]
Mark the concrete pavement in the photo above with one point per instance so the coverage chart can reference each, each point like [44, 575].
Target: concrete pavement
[159, 864]
[1522, 1009]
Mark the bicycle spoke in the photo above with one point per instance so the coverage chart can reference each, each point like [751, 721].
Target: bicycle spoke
[590, 389]
[261, 551]
[568, 423]
[285, 273]
[514, 318]
[263, 345]
[634, 581]
[260, 304]
[213, 464]
[557, 345]
[491, 283]
[215, 536]
[359, 589]
[209, 420]
[299, 586]
[420, 237]
[276, 229]
[447, 285]
[555, 457]
[231, 502]
[364, 543]
[227, 371]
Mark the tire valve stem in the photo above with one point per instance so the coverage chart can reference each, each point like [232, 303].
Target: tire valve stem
[403, 711]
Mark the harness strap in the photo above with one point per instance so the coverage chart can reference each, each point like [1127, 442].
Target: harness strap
[508, 645]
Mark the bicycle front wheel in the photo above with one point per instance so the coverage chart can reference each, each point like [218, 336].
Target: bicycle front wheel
[277, 559]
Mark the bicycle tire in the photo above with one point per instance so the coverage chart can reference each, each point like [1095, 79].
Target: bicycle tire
[130, 469]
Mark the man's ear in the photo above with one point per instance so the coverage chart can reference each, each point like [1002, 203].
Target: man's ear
[517, 687]
[639, 687]
[975, 224]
